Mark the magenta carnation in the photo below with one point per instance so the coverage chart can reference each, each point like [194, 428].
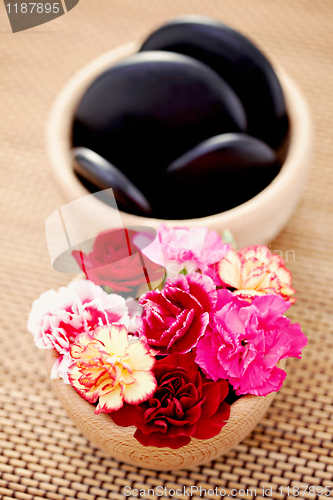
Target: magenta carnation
[176, 318]
[245, 341]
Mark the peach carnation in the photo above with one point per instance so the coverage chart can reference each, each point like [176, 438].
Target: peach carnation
[111, 370]
[255, 271]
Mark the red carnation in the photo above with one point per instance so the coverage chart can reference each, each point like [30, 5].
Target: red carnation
[116, 262]
[176, 318]
[184, 405]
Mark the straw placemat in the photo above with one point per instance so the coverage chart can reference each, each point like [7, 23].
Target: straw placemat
[42, 453]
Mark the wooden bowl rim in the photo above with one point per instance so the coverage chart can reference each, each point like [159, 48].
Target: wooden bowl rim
[59, 131]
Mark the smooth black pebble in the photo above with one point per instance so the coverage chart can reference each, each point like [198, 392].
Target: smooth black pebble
[149, 109]
[235, 58]
[217, 175]
[103, 175]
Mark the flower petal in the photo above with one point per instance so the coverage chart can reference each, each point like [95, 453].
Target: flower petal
[110, 402]
[297, 341]
[206, 356]
[207, 428]
[229, 269]
[126, 416]
[159, 442]
[193, 335]
[143, 387]
[114, 338]
[139, 357]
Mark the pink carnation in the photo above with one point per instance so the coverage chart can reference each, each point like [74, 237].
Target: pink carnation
[245, 341]
[179, 247]
[58, 317]
[176, 318]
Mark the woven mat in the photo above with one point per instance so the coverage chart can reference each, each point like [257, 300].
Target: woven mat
[42, 454]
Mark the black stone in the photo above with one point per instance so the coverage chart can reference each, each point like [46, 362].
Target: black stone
[149, 109]
[103, 175]
[217, 175]
[235, 58]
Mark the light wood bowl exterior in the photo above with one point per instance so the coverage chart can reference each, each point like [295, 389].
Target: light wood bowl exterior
[118, 442]
[258, 221]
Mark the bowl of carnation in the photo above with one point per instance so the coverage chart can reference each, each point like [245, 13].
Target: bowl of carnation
[159, 374]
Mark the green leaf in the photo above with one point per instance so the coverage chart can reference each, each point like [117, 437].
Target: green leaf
[227, 237]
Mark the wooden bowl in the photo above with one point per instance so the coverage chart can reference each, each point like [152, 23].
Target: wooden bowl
[119, 443]
[258, 221]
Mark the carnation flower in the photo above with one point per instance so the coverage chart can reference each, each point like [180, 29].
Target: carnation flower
[256, 271]
[182, 247]
[109, 369]
[57, 317]
[176, 318]
[185, 404]
[135, 311]
[116, 262]
[245, 341]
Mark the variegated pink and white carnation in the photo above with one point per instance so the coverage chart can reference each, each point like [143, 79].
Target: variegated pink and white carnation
[166, 362]
[57, 317]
